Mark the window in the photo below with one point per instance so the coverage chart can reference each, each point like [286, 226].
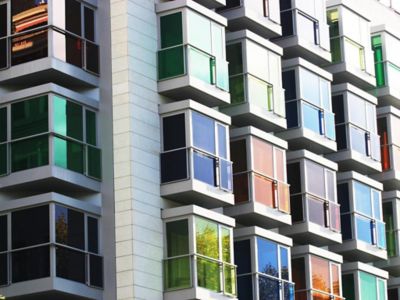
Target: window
[213, 253]
[243, 261]
[202, 55]
[74, 139]
[379, 64]
[371, 287]
[3, 33]
[391, 233]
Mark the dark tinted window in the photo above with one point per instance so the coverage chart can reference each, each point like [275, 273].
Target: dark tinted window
[3, 20]
[348, 287]
[171, 30]
[30, 227]
[293, 177]
[177, 238]
[70, 227]
[285, 4]
[242, 256]
[341, 138]
[174, 166]
[287, 23]
[245, 287]
[338, 108]
[30, 153]
[238, 156]
[292, 118]
[230, 4]
[345, 223]
[3, 124]
[30, 264]
[70, 264]
[89, 23]
[296, 206]
[73, 16]
[343, 197]
[298, 273]
[96, 270]
[393, 294]
[28, 14]
[91, 137]
[3, 233]
[269, 288]
[289, 84]
[174, 132]
[3, 269]
[234, 57]
[93, 235]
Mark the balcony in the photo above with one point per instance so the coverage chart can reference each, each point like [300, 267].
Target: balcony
[44, 261]
[198, 260]
[271, 276]
[192, 65]
[363, 229]
[195, 156]
[260, 16]
[304, 31]
[257, 96]
[391, 209]
[362, 281]
[356, 130]
[260, 187]
[310, 120]
[316, 273]
[46, 143]
[313, 200]
[352, 57]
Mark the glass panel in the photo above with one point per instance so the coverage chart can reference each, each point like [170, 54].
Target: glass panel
[203, 132]
[362, 194]
[30, 264]
[29, 117]
[306, 28]
[288, 291]
[171, 62]
[89, 23]
[358, 140]
[329, 125]
[94, 162]
[315, 179]
[335, 279]
[204, 168]
[268, 288]
[311, 118]
[364, 230]
[92, 57]
[388, 216]
[226, 175]
[348, 286]
[283, 197]
[309, 87]
[375, 147]
[382, 289]
[357, 110]
[222, 141]
[280, 164]
[354, 54]
[4, 269]
[23, 234]
[229, 280]
[334, 211]
[294, 177]
[73, 16]
[3, 233]
[234, 57]
[222, 76]
[208, 274]
[177, 238]
[201, 65]
[236, 89]
[226, 244]
[70, 227]
[320, 296]
[74, 50]
[96, 270]
[242, 256]
[68, 118]
[69, 155]
[199, 31]
[28, 15]
[91, 132]
[3, 124]
[238, 155]
[298, 273]
[393, 74]
[171, 30]
[3, 159]
[264, 190]
[207, 238]
[29, 47]
[3, 45]
[368, 286]
[70, 264]
[287, 22]
[296, 205]
[241, 187]
[267, 257]
[263, 157]
[316, 211]
[245, 287]
[381, 234]
[259, 92]
[292, 117]
[320, 274]
[376, 200]
[30, 153]
[393, 293]
[346, 226]
[289, 84]
[93, 235]
[284, 255]
[174, 166]
[177, 273]
[330, 185]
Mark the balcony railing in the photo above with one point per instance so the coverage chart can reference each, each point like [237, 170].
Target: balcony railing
[253, 186]
[319, 211]
[387, 74]
[316, 294]
[390, 156]
[183, 60]
[49, 41]
[191, 271]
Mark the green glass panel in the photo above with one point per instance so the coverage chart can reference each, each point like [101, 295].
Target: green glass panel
[68, 155]
[3, 159]
[368, 286]
[91, 137]
[234, 57]
[390, 233]
[208, 274]
[3, 124]
[207, 238]
[335, 50]
[230, 280]
[236, 88]
[348, 287]
[376, 40]
[94, 162]
[177, 273]
[379, 65]
[171, 30]
[68, 120]
[171, 62]
[226, 244]
[177, 238]
[381, 289]
[259, 92]
[30, 153]
[29, 117]
[222, 80]
[333, 22]
[201, 65]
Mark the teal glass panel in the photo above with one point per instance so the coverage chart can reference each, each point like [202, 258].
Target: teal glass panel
[29, 117]
[311, 118]
[236, 89]
[199, 31]
[208, 274]
[177, 238]
[393, 74]
[381, 234]
[222, 80]
[177, 273]
[362, 194]
[94, 162]
[30, 153]
[234, 57]
[171, 30]
[218, 45]
[364, 229]
[3, 124]
[368, 286]
[348, 286]
[330, 125]
[69, 155]
[171, 62]
[382, 290]
[3, 159]
[68, 118]
[91, 132]
[201, 65]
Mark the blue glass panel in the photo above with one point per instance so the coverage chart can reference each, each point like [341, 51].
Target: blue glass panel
[288, 291]
[284, 263]
[330, 125]
[292, 117]
[358, 140]
[222, 150]
[268, 288]
[364, 230]
[226, 174]
[203, 132]
[381, 238]
[309, 83]
[377, 205]
[311, 118]
[242, 256]
[362, 193]
[204, 168]
[267, 257]
[345, 221]
[245, 287]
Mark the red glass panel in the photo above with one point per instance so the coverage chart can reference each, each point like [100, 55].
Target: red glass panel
[320, 274]
[264, 190]
[385, 156]
[280, 163]
[262, 157]
[284, 197]
[241, 187]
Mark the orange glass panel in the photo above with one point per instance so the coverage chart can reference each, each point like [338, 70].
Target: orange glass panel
[335, 280]
[301, 295]
[385, 156]
[280, 164]
[264, 190]
[320, 296]
[320, 274]
[284, 197]
[262, 156]
[241, 187]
